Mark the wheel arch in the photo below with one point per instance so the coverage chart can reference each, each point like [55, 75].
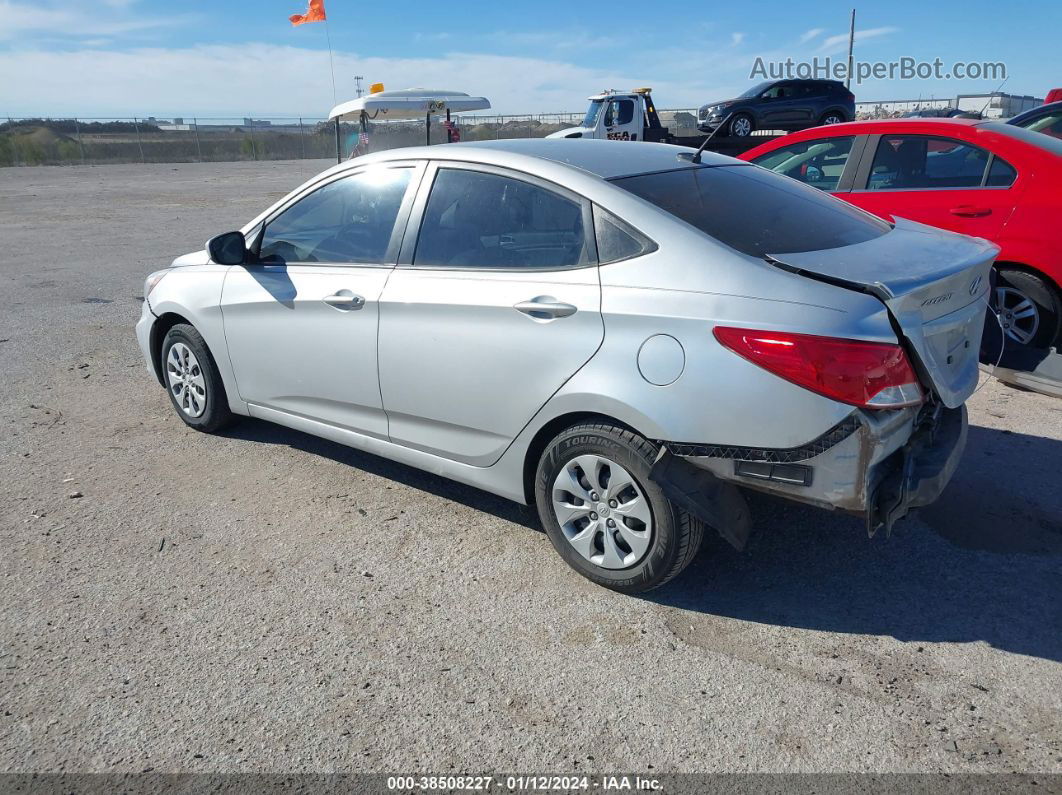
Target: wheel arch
[159, 328]
[835, 109]
[1032, 270]
[544, 435]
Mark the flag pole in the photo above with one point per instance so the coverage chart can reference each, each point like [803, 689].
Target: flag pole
[331, 63]
[332, 71]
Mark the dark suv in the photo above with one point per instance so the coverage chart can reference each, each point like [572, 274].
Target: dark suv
[780, 105]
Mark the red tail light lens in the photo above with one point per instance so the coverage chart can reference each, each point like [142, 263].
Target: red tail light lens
[871, 375]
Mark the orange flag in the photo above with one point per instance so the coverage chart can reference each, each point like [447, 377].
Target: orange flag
[315, 13]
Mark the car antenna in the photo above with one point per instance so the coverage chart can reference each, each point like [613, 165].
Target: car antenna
[990, 96]
[696, 156]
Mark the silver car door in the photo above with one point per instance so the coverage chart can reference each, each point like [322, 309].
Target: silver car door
[498, 306]
[301, 323]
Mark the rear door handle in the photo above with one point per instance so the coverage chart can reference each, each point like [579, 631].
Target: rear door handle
[344, 299]
[967, 211]
[545, 307]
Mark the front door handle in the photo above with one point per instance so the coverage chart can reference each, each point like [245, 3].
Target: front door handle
[545, 307]
[967, 211]
[344, 299]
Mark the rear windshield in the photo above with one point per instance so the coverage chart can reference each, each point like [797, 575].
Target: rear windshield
[1042, 140]
[754, 210]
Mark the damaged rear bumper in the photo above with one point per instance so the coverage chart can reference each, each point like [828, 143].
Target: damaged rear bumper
[877, 464]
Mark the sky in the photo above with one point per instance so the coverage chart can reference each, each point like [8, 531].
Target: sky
[234, 58]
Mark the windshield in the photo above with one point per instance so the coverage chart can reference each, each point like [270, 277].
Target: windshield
[755, 210]
[590, 119]
[756, 90]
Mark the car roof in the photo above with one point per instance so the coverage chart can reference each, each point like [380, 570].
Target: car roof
[605, 159]
[884, 125]
[1002, 134]
[1048, 107]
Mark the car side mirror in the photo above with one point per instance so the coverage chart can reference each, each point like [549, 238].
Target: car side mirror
[228, 249]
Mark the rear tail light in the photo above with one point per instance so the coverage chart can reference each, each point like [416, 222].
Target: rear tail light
[873, 375]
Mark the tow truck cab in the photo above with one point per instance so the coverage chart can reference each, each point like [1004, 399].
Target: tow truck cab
[620, 116]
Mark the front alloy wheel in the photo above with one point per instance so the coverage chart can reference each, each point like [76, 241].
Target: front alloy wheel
[741, 126]
[192, 380]
[186, 381]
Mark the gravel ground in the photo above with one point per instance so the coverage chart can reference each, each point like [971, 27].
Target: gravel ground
[267, 601]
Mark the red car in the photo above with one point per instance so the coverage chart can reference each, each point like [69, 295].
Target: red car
[980, 178]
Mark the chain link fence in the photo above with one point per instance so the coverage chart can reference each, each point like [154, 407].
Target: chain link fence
[99, 141]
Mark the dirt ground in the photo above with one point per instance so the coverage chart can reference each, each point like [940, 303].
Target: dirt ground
[267, 601]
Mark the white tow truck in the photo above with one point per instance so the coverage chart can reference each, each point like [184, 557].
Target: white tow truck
[632, 116]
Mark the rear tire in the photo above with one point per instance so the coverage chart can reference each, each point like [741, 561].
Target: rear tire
[192, 380]
[650, 553]
[832, 117]
[1029, 308]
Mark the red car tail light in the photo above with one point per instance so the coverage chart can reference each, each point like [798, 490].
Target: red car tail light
[871, 375]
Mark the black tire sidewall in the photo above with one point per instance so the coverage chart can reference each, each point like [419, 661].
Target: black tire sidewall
[1037, 290]
[636, 456]
[217, 411]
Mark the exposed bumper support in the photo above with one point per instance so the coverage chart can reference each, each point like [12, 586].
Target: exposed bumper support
[714, 502]
[877, 464]
[917, 474]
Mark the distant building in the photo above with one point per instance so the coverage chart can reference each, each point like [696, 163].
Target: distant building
[995, 105]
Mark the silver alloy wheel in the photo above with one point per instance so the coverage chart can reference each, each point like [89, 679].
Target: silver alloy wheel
[186, 381]
[740, 127]
[833, 118]
[602, 511]
[1018, 314]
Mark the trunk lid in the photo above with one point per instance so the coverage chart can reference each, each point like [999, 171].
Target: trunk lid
[935, 285]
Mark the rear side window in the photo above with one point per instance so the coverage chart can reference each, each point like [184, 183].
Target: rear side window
[1001, 174]
[616, 240]
[479, 220]
[903, 162]
[756, 211]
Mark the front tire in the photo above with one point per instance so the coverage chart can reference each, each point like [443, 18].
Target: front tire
[603, 514]
[741, 126]
[192, 380]
[1028, 308]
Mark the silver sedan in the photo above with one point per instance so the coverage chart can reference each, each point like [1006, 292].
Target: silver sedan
[625, 336]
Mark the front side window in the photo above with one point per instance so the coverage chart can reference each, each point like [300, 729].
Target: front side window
[479, 220]
[903, 162]
[349, 220]
[756, 211]
[620, 111]
[818, 163]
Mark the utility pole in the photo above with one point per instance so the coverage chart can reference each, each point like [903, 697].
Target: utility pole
[851, 44]
[357, 84]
